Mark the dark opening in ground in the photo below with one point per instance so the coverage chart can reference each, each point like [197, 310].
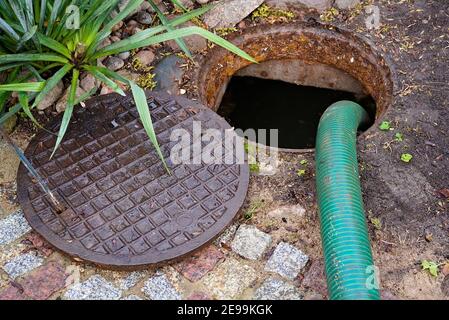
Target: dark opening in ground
[294, 110]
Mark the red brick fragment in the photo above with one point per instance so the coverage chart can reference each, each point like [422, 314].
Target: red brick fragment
[196, 266]
[197, 295]
[44, 281]
[11, 293]
[315, 279]
[36, 242]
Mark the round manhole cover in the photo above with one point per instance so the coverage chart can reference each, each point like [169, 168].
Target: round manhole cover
[123, 208]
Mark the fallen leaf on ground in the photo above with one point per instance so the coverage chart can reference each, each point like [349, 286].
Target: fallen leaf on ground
[444, 192]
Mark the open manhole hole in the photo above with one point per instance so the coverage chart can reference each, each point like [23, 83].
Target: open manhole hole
[303, 68]
[123, 209]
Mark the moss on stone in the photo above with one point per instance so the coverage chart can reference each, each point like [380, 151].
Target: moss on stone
[270, 14]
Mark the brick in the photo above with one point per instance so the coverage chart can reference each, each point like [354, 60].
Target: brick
[44, 281]
[315, 279]
[198, 296]
[12, 293]
[36, 242]
[200, 263]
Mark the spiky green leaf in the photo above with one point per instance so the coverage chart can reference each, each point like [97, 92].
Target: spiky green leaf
[144, 112]
[68, 110]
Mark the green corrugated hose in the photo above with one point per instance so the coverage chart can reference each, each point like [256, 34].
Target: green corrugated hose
[346, 245]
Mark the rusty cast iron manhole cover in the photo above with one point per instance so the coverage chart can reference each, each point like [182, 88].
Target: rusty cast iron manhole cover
[124, 210]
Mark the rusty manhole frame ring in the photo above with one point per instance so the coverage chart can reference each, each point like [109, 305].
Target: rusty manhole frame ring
[300, 41]
[77, 251]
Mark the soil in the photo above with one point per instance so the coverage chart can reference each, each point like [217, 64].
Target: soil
[403, 196]
[407, 215]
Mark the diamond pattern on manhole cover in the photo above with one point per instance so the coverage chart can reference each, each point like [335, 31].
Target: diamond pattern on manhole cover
[123, 208]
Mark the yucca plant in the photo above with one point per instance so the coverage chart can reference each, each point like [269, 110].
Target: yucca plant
[35, 43]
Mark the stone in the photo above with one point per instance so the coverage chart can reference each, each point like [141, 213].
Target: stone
[144, 17]
[386, 294]
[199, 263]
[159, 4]
[319, 5]
[105, 90]
[122, 5]
[114, 63]
[229, 279]
[267, 168]
[195, 43]
[146, 57]
[13, 227]
[44, 281]
[169, 74]
[11, 293]
[286, 261]
[346, 4]
[159, 287]
[10, 123]
[8, 185]
[129, 74]
[131, 280]
[197, 295]
[117, 26]
[444, 286]
[104, 43]
[315, 279]
[35, 242]
[136, 30]
[145, 6]
[115, 39]
[22, 264]
[305, 74]
[8, 253]
[94, 288]
[275, 289]
[225, 239]
[202, 1]
[250, 242]
[51, 97]
[445, 269]
[228, 13]
[187, 3]
[131, 297]
[89, 82]
[131, 25]
[124, 55]
[62, 103]
[290, 212]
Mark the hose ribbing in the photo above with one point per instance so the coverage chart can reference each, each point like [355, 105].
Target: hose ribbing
[344, 233]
